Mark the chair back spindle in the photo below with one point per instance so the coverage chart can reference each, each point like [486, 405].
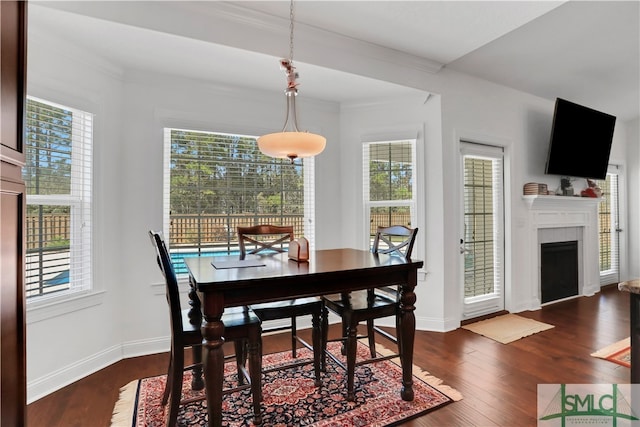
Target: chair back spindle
[395, 240]
[263, 239]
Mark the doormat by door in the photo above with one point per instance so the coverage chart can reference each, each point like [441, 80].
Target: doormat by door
[618, 352]
[507, 328]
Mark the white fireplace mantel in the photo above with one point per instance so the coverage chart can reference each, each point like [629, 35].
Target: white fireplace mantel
[563, 212]
[554, 202]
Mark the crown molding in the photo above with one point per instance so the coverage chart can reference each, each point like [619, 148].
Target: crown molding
[317, 40]
[220, 23]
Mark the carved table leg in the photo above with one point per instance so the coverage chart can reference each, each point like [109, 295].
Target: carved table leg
[255, 369]
[406, 333]
[213, 356]
[195, 318]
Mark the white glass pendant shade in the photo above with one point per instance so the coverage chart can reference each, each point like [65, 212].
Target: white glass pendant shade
[291, 143]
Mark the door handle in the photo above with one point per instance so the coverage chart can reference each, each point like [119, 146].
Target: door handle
[463, 250]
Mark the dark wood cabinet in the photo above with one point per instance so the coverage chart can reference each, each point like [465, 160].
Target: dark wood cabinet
[13, 390]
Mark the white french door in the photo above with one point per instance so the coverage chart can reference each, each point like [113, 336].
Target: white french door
[482, 229]
[609, 226]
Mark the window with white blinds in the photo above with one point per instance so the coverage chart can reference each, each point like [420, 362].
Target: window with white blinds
[57, 174]
[389, 184]
[483, 212]
[215, 182]
[608, 224]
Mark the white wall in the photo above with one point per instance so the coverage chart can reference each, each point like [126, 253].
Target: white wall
[152, 102]
[62, 348]
[407, 117]
[633, 197]
[129, 316]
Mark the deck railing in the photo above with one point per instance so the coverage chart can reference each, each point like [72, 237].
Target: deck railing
[185, 230]
[220, 230]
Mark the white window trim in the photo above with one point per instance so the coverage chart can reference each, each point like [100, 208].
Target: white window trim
[41, 307]
[495, 154]
[612, 275]
[47, 306]
[309, 191]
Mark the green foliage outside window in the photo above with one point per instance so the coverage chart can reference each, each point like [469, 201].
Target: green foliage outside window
[226, 174]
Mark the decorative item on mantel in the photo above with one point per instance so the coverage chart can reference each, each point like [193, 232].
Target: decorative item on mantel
[592, 189]
[299, 250]
[566, 189]
[534, 189]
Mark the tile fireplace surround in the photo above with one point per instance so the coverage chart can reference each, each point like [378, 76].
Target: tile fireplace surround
[563, 218]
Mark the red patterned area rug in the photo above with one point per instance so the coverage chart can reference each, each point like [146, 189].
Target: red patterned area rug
[291, 399]
[618, 352]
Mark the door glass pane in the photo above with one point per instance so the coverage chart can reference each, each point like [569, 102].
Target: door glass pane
[608, 224]
[478, 245]
[604, 224]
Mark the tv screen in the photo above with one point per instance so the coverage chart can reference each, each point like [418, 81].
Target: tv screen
[580, 141]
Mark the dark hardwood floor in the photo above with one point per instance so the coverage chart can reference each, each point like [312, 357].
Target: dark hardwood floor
[498, 382]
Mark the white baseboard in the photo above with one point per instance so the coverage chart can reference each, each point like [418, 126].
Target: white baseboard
[425, 324]
[47, 384]
[62, 377]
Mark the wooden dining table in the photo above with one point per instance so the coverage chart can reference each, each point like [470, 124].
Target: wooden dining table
[274, 278]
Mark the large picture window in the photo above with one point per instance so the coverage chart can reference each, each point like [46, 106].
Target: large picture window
[215, 182]
[389, 184]
[58, 213]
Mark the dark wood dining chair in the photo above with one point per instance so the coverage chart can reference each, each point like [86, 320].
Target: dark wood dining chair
[241, 326]
[265, 240]
[368, 305]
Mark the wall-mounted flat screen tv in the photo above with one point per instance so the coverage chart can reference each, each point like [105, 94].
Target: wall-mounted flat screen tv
[580, 141]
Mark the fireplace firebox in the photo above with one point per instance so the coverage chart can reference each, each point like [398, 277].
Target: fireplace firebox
[559, 270]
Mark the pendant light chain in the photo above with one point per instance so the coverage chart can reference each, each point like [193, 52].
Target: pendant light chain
[291, 32]
[290, 143]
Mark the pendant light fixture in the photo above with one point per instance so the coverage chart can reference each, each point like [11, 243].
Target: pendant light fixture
[290, 142]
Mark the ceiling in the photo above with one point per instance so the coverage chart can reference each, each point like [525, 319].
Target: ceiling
[584, 51]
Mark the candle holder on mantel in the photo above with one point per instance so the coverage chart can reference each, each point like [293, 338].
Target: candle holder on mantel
[565, 186]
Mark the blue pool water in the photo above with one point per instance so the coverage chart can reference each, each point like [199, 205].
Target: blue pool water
[177, 258]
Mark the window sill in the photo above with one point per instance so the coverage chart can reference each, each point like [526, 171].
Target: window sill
[160, 288]
[47, 308]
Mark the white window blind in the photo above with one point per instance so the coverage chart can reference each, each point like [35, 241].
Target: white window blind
[483, 212]
[608, 225]
[58, 174]
[389, 184]
[215, 182]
